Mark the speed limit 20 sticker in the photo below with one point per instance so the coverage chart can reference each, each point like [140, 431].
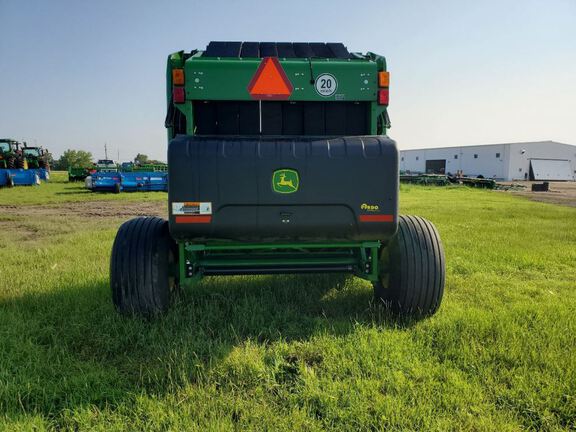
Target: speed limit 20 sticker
[326, 84]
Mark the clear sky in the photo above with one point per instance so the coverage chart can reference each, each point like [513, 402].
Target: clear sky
[77, 74]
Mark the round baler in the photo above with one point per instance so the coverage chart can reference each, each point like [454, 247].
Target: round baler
[278, 162]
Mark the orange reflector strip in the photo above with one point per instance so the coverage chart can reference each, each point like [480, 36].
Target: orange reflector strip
[384, 79]
[194, 219]
[270, 81]
[177, 76]
[376, 218]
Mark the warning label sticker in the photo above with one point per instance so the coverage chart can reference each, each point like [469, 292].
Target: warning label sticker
[191, 208]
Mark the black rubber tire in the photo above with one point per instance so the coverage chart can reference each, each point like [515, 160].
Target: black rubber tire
[20, 163]
[11, 162]
[416, 269]
[142, 267]
[117, 188]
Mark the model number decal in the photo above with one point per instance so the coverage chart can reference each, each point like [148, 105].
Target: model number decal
[326, 84]
[191, 208]
[369, 207]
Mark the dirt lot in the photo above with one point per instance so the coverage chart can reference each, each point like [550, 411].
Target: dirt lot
[98, 209]
[33, 223]
[563, 193]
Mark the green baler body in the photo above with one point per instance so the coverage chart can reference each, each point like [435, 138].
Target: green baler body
[213, 78]
[224, 79]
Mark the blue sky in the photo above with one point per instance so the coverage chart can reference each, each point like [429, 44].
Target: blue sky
[77, 74]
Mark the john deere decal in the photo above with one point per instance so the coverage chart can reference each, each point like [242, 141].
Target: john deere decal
[285, 181]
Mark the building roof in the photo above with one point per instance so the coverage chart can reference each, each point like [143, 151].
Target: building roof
[487, 145]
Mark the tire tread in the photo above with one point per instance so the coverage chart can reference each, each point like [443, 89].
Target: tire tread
[417, 273]
[139, 267]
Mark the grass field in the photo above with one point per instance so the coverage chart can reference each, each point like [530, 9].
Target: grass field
[290, 352]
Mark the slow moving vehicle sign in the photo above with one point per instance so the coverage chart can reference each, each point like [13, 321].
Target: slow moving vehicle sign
[270, 81]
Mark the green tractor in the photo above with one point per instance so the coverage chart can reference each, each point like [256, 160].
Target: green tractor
[279, 163]
[11, 155]
[36, 157]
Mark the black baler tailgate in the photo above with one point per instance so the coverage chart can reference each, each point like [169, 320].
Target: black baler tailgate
[245, 189]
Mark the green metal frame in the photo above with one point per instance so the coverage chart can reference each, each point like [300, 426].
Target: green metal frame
[194, 258]
[78, 173]
[131, 167]
[227, 79]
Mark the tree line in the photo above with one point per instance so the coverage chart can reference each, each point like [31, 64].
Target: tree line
[82, 158]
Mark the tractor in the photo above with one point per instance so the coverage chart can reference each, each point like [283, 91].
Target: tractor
[36, 157]
[279, 163]
[11, 155]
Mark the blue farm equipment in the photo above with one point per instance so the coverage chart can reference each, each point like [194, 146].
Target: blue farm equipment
[128, 181]
[144, 181]
[106, 182]
[43, 173]
[18, 177]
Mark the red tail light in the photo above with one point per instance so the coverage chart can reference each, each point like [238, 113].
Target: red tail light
[178, 95]
[383, 97]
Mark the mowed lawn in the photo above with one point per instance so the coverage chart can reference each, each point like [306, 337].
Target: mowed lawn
[291, 352]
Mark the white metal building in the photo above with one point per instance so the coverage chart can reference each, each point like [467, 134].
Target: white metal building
[544, 160]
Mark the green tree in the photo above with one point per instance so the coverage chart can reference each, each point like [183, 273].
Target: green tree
[141, 159]
[79, 158]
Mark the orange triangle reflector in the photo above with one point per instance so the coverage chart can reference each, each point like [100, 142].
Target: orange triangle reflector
[270, 81]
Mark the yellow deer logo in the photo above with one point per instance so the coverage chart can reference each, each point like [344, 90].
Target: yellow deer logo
[285, 181]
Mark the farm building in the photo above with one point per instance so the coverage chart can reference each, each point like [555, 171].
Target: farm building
[544, 160]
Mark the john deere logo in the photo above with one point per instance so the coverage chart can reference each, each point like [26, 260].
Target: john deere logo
[285, 181]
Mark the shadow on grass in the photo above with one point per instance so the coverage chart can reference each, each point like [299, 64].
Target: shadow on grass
[69, 348]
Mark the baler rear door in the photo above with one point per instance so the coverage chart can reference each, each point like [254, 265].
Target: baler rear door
[278, 189]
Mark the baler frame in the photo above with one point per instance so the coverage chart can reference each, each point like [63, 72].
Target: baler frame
[198, 259]
[250, 110]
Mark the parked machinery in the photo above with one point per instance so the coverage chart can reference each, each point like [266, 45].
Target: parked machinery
[36, 157]
[278, 162]
[11, 154]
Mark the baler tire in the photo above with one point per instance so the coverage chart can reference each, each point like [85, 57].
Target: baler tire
[417, 270]
[117, 188]
[141, 267]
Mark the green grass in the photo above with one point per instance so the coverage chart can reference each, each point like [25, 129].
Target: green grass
[290, 352]
[58, 190]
